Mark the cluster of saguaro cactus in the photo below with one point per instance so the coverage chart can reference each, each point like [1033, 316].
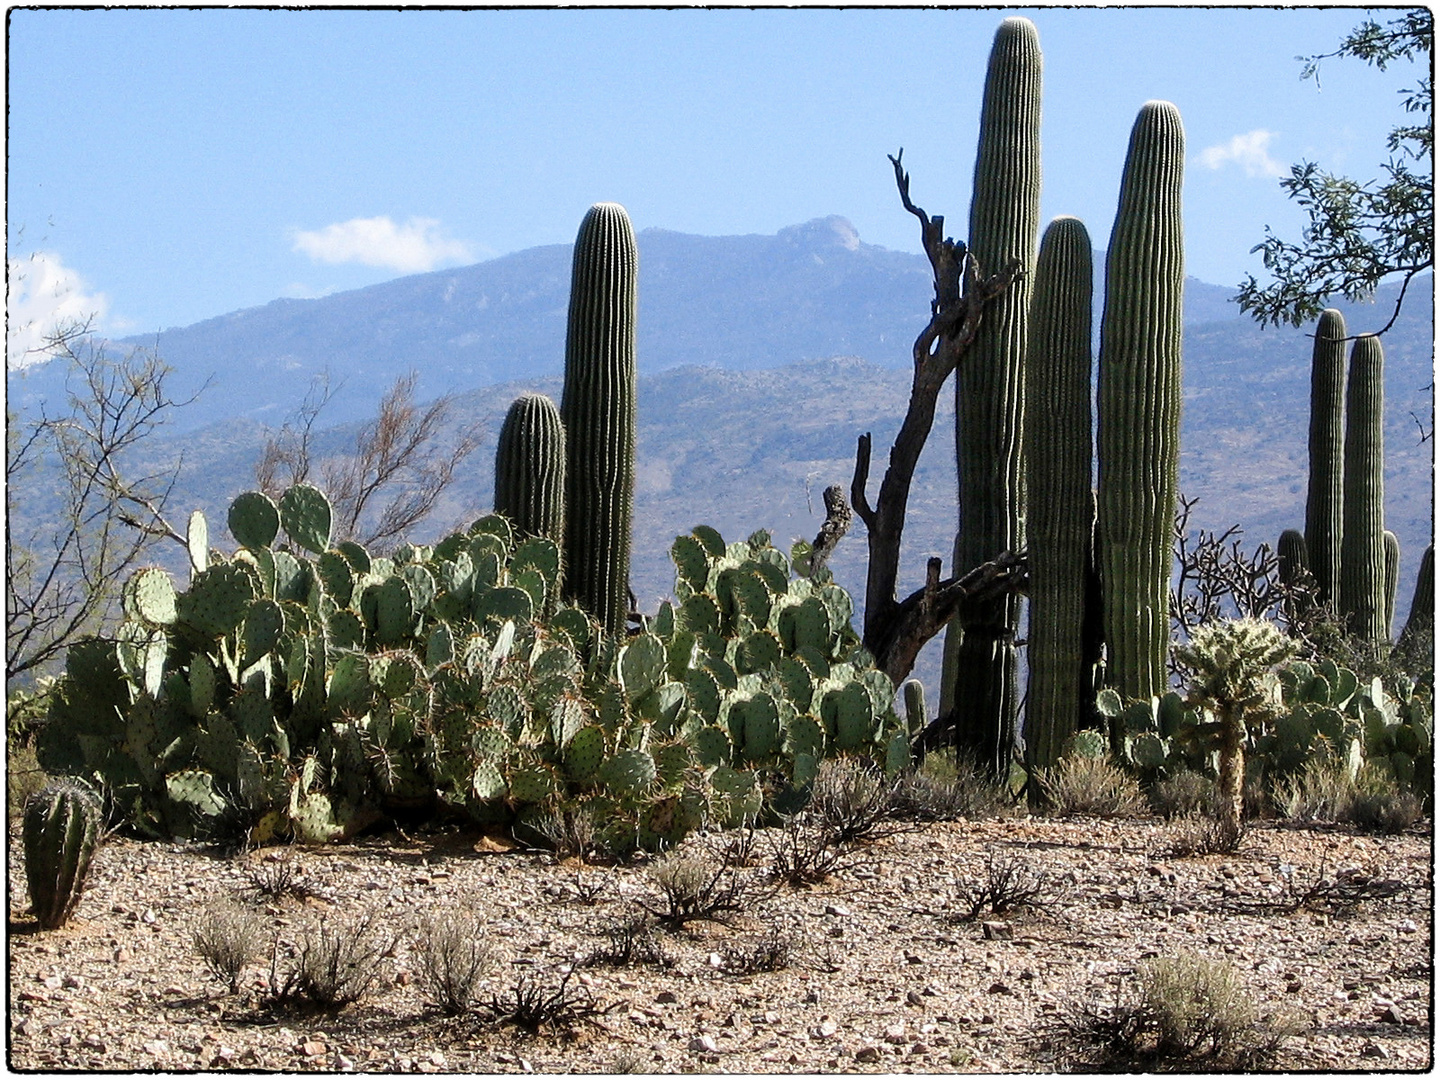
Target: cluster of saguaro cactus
[980, 686]
[60, 832]
[306, 694]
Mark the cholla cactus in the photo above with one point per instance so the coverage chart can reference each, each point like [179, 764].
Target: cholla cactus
[1229, 660]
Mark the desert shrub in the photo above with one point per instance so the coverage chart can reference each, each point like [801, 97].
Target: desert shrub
[277, 877]
[1007, 884]
[1092, 786]
[1186, 792]
[1204, 834]
[452, 954]
[569, 833]
[533, 1003]
[1325, 791]
[227, 937]
[699, 883]
[632, 941]
[1182, 1009]
[775, 951]
[851, 801]
[805, 853]
[947, 787]
[334, 963]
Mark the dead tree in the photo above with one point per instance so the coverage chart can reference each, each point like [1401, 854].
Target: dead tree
[896, 630]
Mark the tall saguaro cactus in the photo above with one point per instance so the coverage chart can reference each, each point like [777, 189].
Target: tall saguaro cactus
[1362, 576]
[530, 468]
[981, 659]
[598, 410]
[1139, 423]
[1058, 500]
[1324, 500]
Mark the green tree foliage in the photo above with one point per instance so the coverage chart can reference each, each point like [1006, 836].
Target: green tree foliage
[1359, 233]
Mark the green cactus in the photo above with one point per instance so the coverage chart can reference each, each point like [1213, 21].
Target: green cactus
[1294, 556]
[1324, 500]
[305, 516]
[530, 468]
[61, 830]
[254, 520]
[1362, 571]
[217, 599]
[1419, 629]
[598, 410]
[197, 541]
[915, 715]
[1139, 421]
[149, 596]
[1059, 519]
[1392, 580]
[980, 685]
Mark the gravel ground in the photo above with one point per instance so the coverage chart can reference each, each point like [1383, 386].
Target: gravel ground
[885, 975]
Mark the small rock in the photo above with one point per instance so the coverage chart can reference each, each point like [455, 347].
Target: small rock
[666, 997]
[703, 1044]
[828, 1029]
[148, 917]
[715, 961]
[836, 909]
[1393, 1015]
[999, 988]
[867, 1054]
[1408, 926]
[526, 1067]
[74, 982]
[895, 1034]
[312, 1048]
[997, 931]
[1374, 1050]
[912, 997]
[52, 982]
[157, 1048]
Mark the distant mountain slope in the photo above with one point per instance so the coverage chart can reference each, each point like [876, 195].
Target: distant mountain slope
[735, 302]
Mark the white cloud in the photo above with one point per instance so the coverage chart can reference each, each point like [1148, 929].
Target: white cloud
[414, 247]
[1249, 151]
[44, 293]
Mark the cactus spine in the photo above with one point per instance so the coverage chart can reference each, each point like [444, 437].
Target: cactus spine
[61, 831]
[598, 410]
[989, 388]
[1362, 574]
[530, 468]
[1139, 424]
[1324, 501]
[1059, 519]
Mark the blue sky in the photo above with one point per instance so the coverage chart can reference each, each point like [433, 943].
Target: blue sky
[166, 166]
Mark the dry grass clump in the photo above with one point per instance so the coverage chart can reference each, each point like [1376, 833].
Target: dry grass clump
[699, 883]
[451, 956]
[1182, 1010]
[333, 964]
[1204, 834]
[949, 787]
[1325, 791]
[851, 802]
[1183, 794]
[534, 1003]
[227, 937]
[1091, 786]
[632, 941]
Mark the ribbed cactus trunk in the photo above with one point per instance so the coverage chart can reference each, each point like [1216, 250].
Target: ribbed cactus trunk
[1362, 572]
[1392, 580]
[1059, 518]
[1325, 499]
[981, 678]
[60, 831]
[1139, 423]
[598, 410]
[1420, 623]
[530, 468]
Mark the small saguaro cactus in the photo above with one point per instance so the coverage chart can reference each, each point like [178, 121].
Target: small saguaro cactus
[1324, 500]
[1060, 515]
[1392, 580]
[598, 411]
[530, 468]
[1420, 623]
[1139, 424]
[1362, 571]
[61, 831]
[915, 717]
[980, 686]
